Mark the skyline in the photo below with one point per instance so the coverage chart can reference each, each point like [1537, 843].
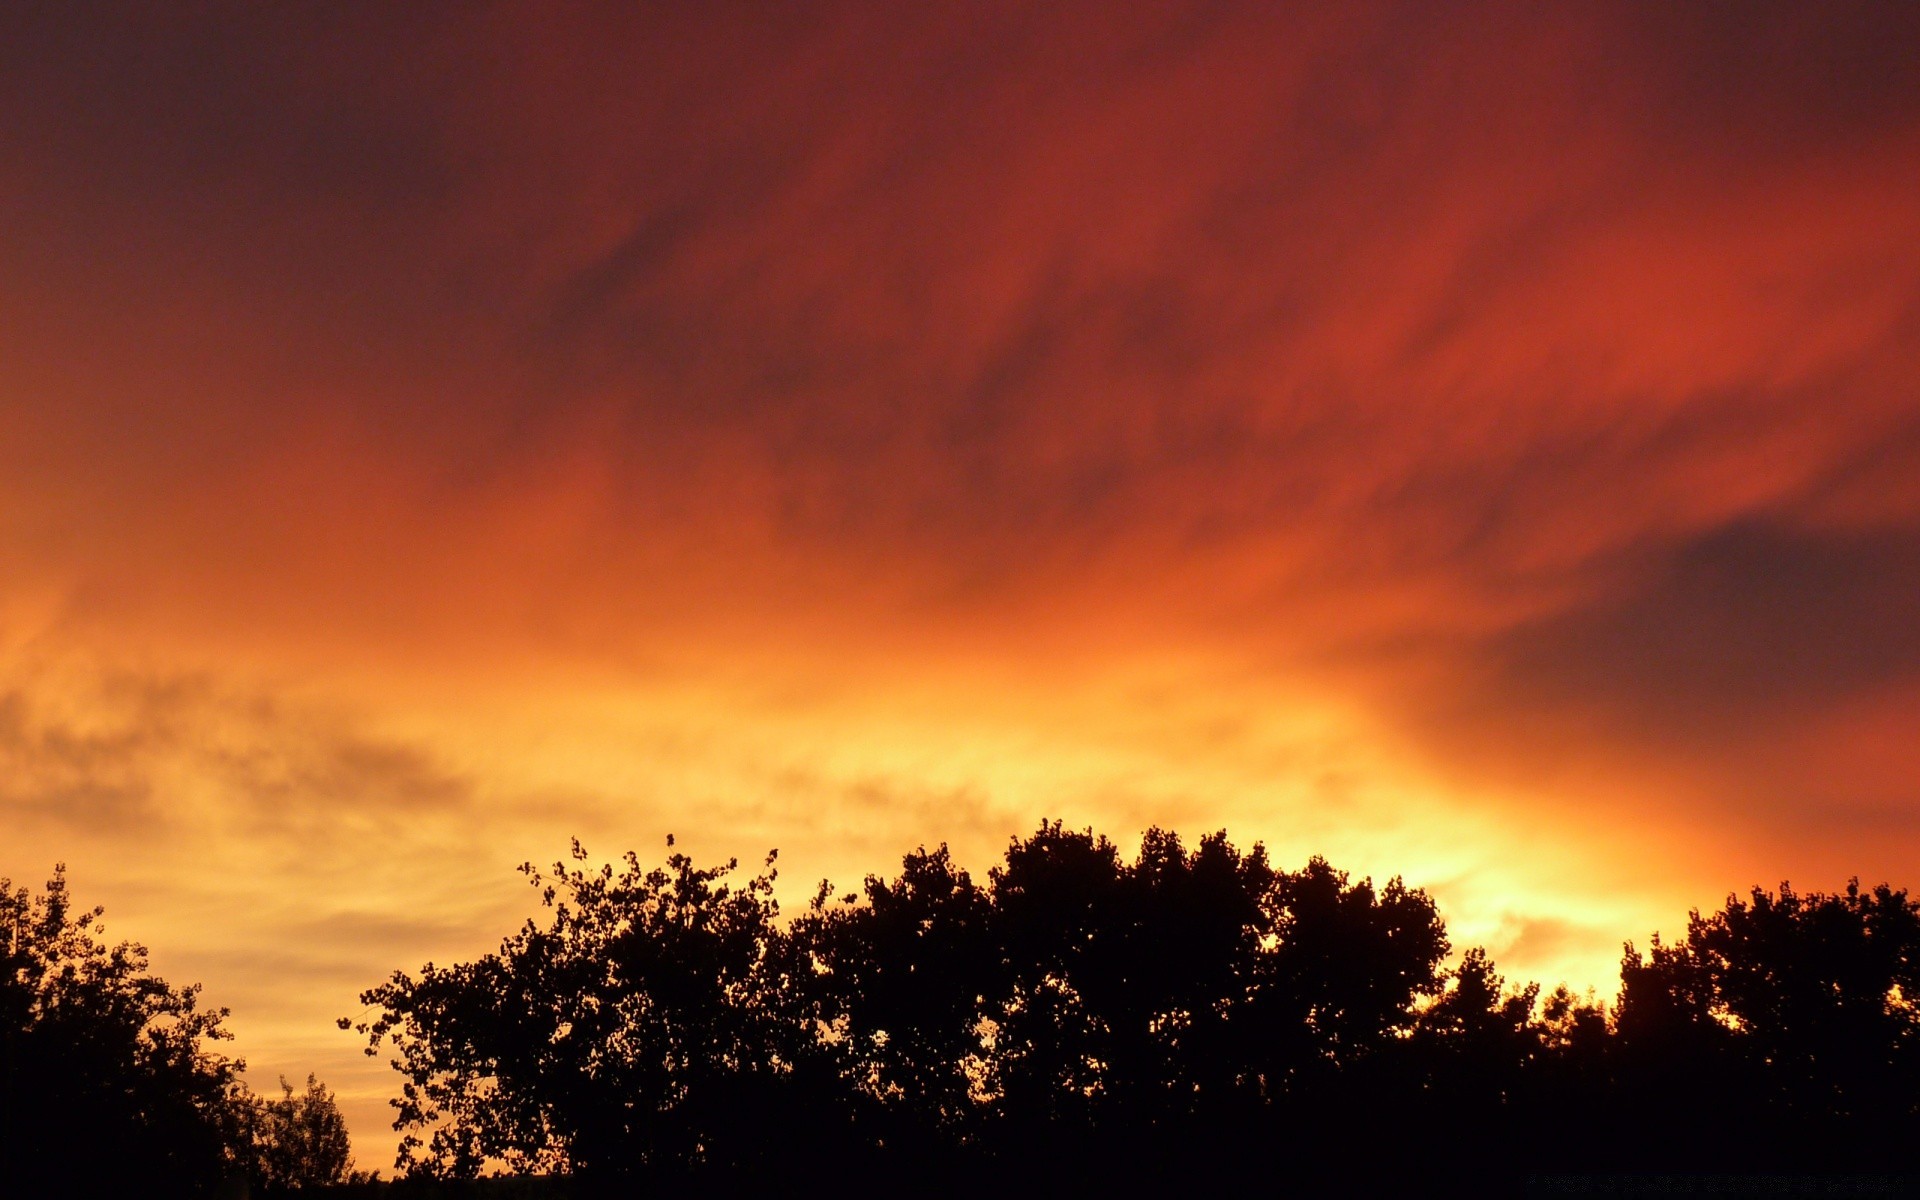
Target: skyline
[1478, 447]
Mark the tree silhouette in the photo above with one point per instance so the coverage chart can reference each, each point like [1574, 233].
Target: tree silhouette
[108, 1080]
[900, 980]
[1130, 987]
[1190, 1017]
[300, 1140]
[1784, 1028]
[1077, 1008]
[648, 1025]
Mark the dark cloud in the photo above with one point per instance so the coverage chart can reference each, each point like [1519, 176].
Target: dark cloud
[1729, 635]
[1752, 80]
[218, 110]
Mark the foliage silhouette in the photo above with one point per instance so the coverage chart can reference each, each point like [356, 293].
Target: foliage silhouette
[1784, 1028]
[666, 1021]
[109, 1083]
[1192, 1016]
[650, 1024]
[898, 986]
[300, 1140]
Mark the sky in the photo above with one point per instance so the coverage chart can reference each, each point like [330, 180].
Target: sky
[1478, 444]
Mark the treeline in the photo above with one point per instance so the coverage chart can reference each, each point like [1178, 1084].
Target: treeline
[1189, 1016]
[1192, 1016]
[111, 1081]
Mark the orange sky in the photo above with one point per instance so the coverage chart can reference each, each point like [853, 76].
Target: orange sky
[1480, 446]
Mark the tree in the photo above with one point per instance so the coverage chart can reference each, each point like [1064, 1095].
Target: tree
[1474, 1062]
[300, 1140]
[1127, 982]
[1079, 1008]
[648, 1025]
[900, 978]
[1824, 990]
[108, 1080]
[1344, 970]
[1785, 1027]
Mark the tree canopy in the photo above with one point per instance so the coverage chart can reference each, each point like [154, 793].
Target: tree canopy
[1191, 1013]
[668, 1020]
[112, 1081]
[109, 1076]
[300, 1139]
[1783, 1028]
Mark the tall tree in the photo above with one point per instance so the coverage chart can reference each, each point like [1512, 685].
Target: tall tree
[300, 1139]
[109, 1080]
[901, 978]
[646, 1025]
[1784, 1027]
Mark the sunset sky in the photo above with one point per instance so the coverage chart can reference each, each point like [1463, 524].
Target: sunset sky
[1479, 443]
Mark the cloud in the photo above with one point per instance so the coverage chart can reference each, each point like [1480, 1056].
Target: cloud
[1740, 629]
[1526, 944]
[88, 766]
[96, 754]
[1295, 284]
